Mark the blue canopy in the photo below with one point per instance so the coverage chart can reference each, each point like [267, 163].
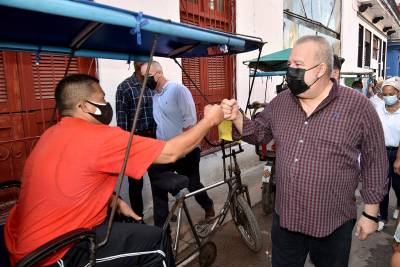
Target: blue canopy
[266, 73]
[95, 30]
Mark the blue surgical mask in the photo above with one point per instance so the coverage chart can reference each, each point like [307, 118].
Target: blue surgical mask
[390, 100]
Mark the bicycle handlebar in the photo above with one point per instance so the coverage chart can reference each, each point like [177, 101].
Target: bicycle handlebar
[221, 143]
[256, 105]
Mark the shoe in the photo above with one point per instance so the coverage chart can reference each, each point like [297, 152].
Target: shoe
[210, 213]
[395, 214]
[381, 225]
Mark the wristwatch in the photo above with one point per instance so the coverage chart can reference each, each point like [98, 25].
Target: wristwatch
[372, 218]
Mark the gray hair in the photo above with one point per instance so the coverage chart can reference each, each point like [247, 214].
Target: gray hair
[324, 53]
[155, 65]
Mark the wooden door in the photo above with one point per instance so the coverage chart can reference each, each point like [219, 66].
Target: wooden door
[214, 75]
[27, 106]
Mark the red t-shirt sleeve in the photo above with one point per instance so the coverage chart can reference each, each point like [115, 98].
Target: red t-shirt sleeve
[111, 152]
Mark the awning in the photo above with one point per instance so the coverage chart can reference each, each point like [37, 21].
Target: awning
[354, 71]
[273, 62]
[94, 30]
[267, 73]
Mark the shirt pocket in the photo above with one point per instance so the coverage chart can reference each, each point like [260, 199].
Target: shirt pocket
[331, 140]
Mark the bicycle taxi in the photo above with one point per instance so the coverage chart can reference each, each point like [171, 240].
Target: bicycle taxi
[86, 29]
[268, 66]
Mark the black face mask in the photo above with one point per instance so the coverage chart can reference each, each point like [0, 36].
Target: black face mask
[295, 80]
[106, 112]
[151, 83]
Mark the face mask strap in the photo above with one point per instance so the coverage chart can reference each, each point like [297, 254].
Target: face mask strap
[96, 104]
[313, 67]
[317, 77]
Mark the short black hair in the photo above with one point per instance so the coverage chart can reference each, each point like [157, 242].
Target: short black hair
[72, 89]
[337, 62]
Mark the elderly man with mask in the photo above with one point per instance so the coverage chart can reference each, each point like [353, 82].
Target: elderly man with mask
[320, 129]
[174, 112]
[389, 115]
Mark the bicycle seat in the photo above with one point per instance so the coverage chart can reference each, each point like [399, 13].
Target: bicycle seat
[169, 181]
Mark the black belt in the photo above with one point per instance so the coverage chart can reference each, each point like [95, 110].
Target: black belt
[391, 148]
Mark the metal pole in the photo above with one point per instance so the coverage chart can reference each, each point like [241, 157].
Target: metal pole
[191, 80]
[128, 149]
[252, 81]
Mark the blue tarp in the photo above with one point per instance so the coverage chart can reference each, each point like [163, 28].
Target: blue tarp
[95, 30]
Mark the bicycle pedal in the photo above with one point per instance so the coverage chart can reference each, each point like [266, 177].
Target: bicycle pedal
[203, 230]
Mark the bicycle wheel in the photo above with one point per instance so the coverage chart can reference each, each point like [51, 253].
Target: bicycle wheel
[246, 224]
[268, 198]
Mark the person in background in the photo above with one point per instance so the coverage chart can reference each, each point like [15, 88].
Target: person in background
[174, 112]
[389, 115]
[319, 141]
[337, 67]
[127, 98]
[395, 261]
[358, 86]
[376, 95]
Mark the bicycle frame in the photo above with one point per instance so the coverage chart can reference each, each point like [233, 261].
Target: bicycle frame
[235, 187]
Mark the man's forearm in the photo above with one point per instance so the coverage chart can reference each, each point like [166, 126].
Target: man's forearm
[238, 122]
[182, 144]
[371, 209]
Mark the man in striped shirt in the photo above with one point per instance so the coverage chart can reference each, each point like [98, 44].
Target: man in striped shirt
[127, 98]
[320, 129]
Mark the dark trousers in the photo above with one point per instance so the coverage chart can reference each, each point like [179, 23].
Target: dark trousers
[290, 249]
[136, 186]
[135, 195]
[188, 166]
[394, 181]
[126, 240]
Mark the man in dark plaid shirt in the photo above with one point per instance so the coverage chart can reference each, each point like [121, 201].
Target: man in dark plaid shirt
[127, 98]
[320, 130]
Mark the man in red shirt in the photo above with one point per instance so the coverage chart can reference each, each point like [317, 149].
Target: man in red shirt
[69, 178]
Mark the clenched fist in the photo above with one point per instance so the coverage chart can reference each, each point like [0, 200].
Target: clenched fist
[230, 109]
[213, 114]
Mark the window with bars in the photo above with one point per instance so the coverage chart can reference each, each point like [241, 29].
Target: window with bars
[375, 47]
[214, 75]
[27, 103]
[3, 87]
[367, 48]
[360, 46]
[49, 72]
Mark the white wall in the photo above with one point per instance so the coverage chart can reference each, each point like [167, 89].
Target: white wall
[349, 35]
[113, 72]
[260, 18]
